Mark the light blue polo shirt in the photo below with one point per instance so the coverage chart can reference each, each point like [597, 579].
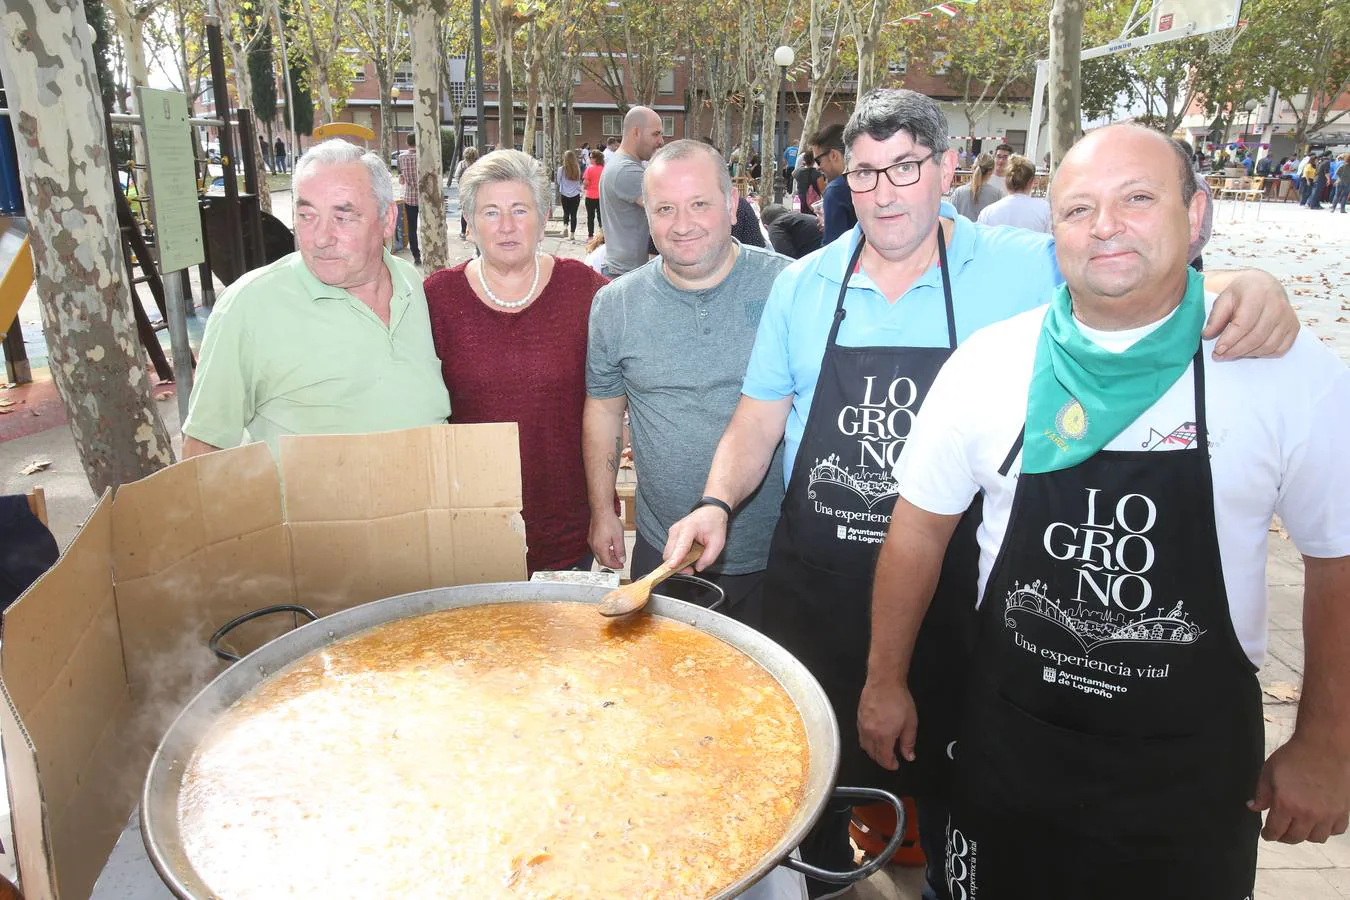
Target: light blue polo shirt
[995, 273]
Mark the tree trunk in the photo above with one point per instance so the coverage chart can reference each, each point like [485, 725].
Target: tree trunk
[1066, 45]
[747, 130]
[426, 62]
[767, 132]
[868, 40]
[327, 110]
[531, 104]
[720, 137]
[502, 28]
[243, 85]
[549, 132]
[131, 29]
[95, 357]
[824, 63]
[387, 124]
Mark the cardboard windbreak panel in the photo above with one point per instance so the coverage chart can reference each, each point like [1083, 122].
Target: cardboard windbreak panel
[103, 651]
[66, 706]
[381, 515]
[195, 545]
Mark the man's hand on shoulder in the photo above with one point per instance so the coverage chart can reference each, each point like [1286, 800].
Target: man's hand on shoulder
[1252, 317]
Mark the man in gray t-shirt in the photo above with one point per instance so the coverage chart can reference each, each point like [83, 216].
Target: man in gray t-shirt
[669, 344]
[621, 212]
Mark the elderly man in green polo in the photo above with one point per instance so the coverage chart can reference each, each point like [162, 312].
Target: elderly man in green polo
[333, 339]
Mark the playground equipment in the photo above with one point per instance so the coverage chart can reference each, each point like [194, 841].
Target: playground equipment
[344, 130]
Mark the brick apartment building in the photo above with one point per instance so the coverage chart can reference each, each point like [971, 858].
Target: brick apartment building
[597, 117]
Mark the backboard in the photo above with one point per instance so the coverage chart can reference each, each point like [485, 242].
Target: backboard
[1178, 19]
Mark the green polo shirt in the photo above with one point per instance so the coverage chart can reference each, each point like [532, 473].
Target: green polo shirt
[285, 353]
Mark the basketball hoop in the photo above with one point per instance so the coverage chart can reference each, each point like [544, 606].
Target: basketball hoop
[1221, 42]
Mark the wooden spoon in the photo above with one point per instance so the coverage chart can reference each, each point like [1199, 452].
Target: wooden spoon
[632, 597]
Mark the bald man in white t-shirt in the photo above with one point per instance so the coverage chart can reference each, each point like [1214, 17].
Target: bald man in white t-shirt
[1129, 482]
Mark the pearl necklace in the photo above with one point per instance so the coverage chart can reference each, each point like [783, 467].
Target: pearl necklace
[509, 304]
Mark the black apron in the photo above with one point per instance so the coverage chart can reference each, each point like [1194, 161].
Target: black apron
[1114, 729]
[818, 582]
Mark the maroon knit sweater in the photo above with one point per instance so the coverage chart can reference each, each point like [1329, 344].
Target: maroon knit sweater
[527, 367]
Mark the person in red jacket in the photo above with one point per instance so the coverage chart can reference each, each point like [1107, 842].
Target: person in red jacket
[510, 329]
[590, 180]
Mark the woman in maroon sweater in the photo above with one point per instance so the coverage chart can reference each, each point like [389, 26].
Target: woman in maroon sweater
[510, 329]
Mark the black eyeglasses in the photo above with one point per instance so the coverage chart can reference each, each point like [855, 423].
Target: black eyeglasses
[901, 174]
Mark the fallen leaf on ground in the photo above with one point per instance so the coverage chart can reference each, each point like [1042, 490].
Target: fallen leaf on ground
[1283, 691]
[36, 465]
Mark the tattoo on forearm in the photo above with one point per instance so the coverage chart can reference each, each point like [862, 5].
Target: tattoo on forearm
[613, 460]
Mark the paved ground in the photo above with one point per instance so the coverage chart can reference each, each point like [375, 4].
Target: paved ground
[1308, 250]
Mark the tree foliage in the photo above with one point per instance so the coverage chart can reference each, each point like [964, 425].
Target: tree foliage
[97, 15]
[990, 49]
[262, 74]
[1299, 48]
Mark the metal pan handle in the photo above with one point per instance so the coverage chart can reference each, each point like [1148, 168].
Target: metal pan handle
[703, 583]
[871, 795]
[230, 655]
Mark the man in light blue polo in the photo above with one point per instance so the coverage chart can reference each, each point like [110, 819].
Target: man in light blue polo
[332, 339]
[851, 338]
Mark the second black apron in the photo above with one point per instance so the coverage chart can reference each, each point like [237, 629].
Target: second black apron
[817, 586]
[1114, 729]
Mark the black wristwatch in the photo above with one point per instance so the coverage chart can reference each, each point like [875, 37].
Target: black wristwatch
[705, 500]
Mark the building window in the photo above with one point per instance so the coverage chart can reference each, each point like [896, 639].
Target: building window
[668, 126]
[360, 76]
[576, 74]
[462, 95]
[520, 124]
[898, 66]
[940, 63]
[666, 83]
[612, 126]
[403, 78]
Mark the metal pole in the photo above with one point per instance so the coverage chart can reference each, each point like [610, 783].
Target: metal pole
[175, 305]
[220, 87]
[779, 132]
[480, 105]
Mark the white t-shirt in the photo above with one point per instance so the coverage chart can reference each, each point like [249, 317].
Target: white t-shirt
[596, 259]
[1279, 433]
[609, 154]
[1000, 180]
[1020, 211]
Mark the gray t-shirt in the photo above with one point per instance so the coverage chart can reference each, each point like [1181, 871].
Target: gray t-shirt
[971, 208]
[680, 356]
[622, 216]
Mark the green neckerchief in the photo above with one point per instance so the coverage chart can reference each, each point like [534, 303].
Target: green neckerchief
[1083, 396]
